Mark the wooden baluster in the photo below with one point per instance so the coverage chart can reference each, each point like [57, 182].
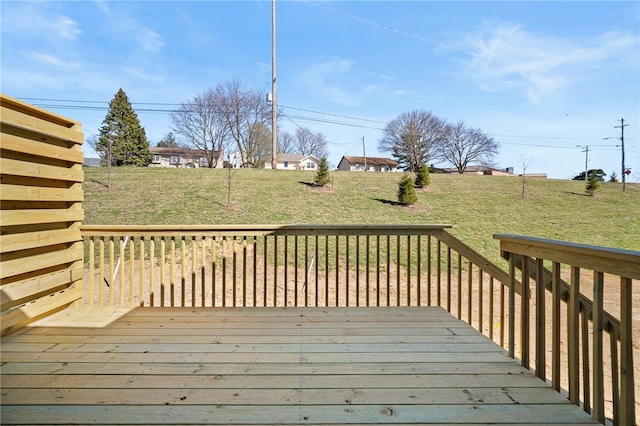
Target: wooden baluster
[101, 283]
[448, 279]
[92, 270]
[172, 272]
[491, 302]
[408, 270]
[555, 324]
[459, 286]
[347, 270]
[397, 270]
[470, 293]
[295, 267]
[573, 336]
[429, 260]
[112, 259]
[285, 263]
[512, 305]
[254, 244]
[525, 324]
[388, 270]
[540, 321]
[419, 270]
[224, 271]
[615, 368]
[337, 275]
[131, 274]
[234, 272]
[377, 270]
[122, 284]
[586, 379]
[142, 282]
[598, 359]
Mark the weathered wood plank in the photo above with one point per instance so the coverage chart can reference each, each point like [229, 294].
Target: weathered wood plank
[29, 263]
[38, 216]
[293, 414]
[41, 171]
[80, 365]
[30, 240]
[70, 131]
[35, 193]
[239, 396]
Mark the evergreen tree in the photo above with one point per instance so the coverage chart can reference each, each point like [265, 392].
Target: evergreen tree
[322, 175]
[121, 135]
[422, 176]
[169, 141]
[593, 183]
[406, 191]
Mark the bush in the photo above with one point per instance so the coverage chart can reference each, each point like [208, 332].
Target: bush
[422, 176]
[322, 175]
[593, 183]
[406, 191]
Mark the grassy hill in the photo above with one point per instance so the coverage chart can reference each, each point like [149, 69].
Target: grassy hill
[477, 206]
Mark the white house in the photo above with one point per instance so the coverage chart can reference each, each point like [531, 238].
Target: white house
[181, 157]
[294, 162]
[371, 164]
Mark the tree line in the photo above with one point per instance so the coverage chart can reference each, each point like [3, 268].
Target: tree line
[233, 118]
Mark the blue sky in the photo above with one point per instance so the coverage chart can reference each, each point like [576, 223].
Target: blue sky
[539, 77]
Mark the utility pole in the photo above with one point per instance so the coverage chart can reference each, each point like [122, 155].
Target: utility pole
[586, 160]
[622, 126]
[274, 105]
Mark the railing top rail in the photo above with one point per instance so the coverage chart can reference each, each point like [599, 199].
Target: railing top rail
[625, 263]
[240, 230]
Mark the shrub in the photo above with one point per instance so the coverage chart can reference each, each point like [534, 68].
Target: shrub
[406, 191]
[322, 175]
[593, 184]
[422, 176]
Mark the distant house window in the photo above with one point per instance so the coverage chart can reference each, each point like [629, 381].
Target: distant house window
[311, 165]
[286, 164]
[204, 162]
[175, 159]
[156, 158]
[357, 166]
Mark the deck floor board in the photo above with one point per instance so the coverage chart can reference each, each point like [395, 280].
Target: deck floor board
[268, 366]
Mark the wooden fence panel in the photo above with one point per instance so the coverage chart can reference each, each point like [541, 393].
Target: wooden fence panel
[41, 248]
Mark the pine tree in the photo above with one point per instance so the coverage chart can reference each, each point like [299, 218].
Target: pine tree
[322, 175]
[593, 184]
[422, 176]
[121, 135]
[406, 191]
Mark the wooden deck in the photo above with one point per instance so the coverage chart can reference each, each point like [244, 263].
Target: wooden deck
[268, 366]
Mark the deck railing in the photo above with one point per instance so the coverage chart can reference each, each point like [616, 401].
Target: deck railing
[574, 284]
[375, 265]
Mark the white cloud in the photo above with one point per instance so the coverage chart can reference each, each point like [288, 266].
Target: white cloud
[505, 56]
[124, 25]
[38, 20]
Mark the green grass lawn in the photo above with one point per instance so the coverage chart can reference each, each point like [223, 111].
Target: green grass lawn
[477, 206]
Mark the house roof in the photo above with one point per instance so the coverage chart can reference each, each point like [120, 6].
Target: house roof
[373, 161]
[294, 157]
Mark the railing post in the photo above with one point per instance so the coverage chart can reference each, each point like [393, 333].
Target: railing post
[627, 392]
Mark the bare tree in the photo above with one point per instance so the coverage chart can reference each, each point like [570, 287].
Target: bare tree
[243, 110]
[464, 145]
[286, 142]
[201, 122]
[309, 143]
[414, 138]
